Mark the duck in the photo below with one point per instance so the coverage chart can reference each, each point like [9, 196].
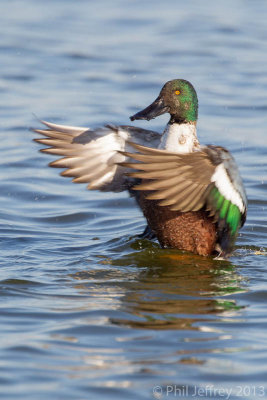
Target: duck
[191, 195]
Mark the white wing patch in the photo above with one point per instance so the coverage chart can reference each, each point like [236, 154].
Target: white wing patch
[92, 156]
[226, 188]
[98, 160]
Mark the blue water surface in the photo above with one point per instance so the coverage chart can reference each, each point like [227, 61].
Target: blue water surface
[88, 310]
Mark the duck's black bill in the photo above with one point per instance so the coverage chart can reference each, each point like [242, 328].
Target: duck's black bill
[154, 110]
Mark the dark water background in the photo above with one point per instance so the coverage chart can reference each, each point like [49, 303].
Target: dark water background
[88, 311]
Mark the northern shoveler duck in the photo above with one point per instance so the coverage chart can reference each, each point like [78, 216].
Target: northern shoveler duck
[191, 195]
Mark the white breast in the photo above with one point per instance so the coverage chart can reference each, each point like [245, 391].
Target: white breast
[179, 138]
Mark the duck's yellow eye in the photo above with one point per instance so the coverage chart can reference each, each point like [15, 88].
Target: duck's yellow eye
[177, 92]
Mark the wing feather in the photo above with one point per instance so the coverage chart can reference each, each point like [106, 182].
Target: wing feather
[197, 200]
[177, 180]
[72, 130]
[178, 199]
[93, 156]
[208, 179]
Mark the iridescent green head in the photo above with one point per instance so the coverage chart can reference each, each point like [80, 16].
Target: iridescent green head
[178, 98]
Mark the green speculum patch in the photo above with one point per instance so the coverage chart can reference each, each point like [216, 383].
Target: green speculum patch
[233, 218]
[228, 211]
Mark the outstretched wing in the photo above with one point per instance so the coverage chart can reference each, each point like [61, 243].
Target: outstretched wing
[92, 156]
[188, 182]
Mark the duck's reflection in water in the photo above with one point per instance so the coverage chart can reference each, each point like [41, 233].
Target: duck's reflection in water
[165, 289]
